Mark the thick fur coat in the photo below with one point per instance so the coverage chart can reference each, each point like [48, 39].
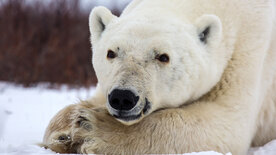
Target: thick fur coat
[204, 72]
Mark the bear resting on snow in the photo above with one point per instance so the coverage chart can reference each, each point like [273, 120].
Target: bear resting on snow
[176, 76]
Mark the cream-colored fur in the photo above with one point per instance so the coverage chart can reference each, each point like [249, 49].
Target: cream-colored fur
[214, 95]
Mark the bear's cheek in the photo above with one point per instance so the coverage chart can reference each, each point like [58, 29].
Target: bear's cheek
[103, 73]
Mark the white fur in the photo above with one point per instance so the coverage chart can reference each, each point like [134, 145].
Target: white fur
[194, 66]
[218, 95]
[240, 37]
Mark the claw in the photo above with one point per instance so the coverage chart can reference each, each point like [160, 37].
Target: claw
[83, 122]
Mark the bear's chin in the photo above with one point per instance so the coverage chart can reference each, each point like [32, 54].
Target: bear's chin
[130, 120]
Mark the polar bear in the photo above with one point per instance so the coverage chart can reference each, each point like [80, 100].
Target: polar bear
[176, 76]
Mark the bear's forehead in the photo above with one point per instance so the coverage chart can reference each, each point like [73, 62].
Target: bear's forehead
[135, 44]
[144, 35]
[147, 28]
[141, 30]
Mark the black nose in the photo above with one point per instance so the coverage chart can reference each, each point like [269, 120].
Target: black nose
[122, 99]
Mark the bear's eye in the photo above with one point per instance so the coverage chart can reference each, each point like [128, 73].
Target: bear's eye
[111, 54]
[163, 58]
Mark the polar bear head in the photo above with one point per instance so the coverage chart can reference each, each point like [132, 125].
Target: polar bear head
[145, 63]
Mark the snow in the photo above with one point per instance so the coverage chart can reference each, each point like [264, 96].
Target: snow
[26, 112]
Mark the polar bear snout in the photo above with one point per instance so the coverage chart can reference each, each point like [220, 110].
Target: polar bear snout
[122, 100]
[126, 106]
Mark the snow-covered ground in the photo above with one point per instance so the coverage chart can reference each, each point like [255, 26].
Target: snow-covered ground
[25, 113]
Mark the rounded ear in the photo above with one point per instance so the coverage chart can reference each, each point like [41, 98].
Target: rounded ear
[99, 18]
[209, 30]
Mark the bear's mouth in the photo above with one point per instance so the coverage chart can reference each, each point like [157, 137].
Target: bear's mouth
[129, 116]
[147, 107]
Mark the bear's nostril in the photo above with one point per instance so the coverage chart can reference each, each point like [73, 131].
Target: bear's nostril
[122, 99]
[116, 103]
[126, 102]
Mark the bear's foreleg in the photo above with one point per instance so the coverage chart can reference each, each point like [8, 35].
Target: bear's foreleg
[199, 127]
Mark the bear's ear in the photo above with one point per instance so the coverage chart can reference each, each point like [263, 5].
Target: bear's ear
[209, 29]
[99, 18]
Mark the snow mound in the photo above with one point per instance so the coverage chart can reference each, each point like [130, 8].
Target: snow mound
[268, 149]
[33, 149]
[26, 150]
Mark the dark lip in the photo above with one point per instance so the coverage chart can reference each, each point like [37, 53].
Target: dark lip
[147, 107]
[128, 118]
